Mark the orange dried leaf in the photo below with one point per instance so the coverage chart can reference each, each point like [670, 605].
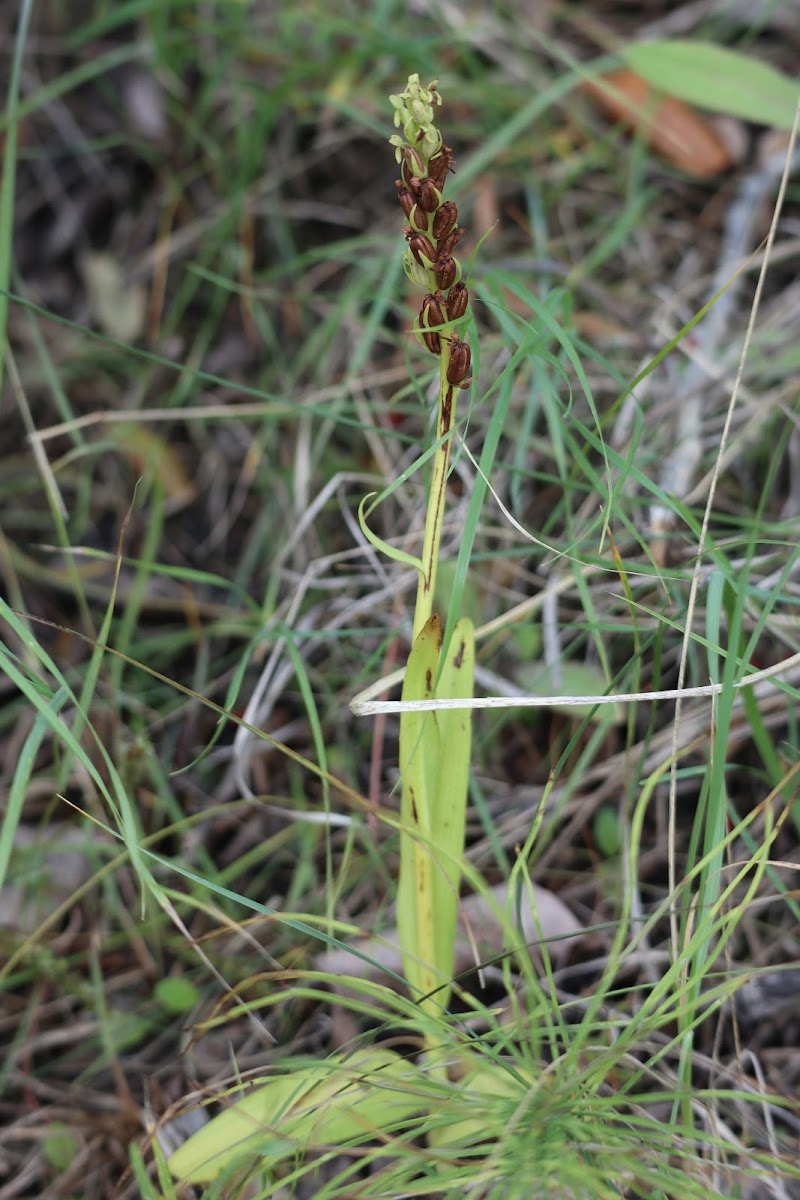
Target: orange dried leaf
[672, 128]
[147, 452]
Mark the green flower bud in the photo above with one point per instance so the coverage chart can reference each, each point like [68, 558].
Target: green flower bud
[413, 166]
[421, 113]
[414, 112]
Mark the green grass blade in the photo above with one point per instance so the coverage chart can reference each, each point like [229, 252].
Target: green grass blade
[8, 182]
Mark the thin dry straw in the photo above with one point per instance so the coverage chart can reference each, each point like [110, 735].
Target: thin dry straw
[362, 706]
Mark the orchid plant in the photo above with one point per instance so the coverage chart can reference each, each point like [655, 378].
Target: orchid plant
[434, 746]
[350, 1099]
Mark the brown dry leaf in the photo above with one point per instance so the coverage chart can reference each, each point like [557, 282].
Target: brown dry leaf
[146, 451]
[672, 128]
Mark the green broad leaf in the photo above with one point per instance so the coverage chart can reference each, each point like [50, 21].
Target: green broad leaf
[571, 679]
[339, 1102]
[419, 747]
[718, 79]
[469, 600]
[434, 770]
[451, 783]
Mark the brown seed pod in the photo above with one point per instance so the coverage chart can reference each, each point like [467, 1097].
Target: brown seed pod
[457, 301]
[412, 165]
[445, 219]
[432, 341]
[460, 360]
[448, 244]
[418, 219]
[420, 246]
[446, 271]
[431, 312]
[439, 165]
[429, 195]
[404, 196]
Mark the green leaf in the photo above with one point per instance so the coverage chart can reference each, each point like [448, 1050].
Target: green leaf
[434, 768]
[448, 814]
[716, 78]
[390, 551]
[335, 1103]
[418, 750]
[176, 994]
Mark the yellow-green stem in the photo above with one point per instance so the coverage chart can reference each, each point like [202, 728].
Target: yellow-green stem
[438, 492]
